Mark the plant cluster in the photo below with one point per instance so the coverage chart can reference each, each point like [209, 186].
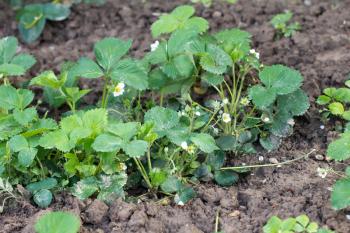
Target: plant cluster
[153, 126]
[283, 26]
[300, 224]
[336, 102]
[33, 17]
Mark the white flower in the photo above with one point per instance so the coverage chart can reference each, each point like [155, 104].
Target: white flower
[255, 53]
[291, 122]
[166, 149]
[119, 89]
[191, 149]
[123, 166]
[244, 101]
[225, 101]
[322, 172]
[184, 145]
[215, 104]
[197, 113]
[226, 118]
[261, 158]
[266, 119]
[322, 127]
[155, 45]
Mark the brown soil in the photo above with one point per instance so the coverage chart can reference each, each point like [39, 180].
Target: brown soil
[320, 51]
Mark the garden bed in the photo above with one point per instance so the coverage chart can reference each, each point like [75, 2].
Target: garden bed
[320, 51]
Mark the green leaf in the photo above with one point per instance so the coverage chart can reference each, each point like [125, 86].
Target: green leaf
[87, 68]
[31, 25]
[183, 12]
[109, 51]
[47, 79]
[56, 12]
[129, 72]
[336, 108]
[296, 103]
[70, 166]
[216, 160]
[107, 143]
[18, 143]
[11, 98]
[261, 96]
[165, 24]
[280, 126]
[323, 99]
[216, 60]
[273, 225]
[48, 183]
[158, 176]
[8, 128]
[204, 142]
[96, 120]
[124, 130]
[27, 156]
[8, 49]
[136, 148]
[346, 115]
[281, 79]
[340, 148]
[112, 187]
[184, 195]
[303, 220]
[43, 198]
[227, 143]
[270, 142]
[85, 188]
[163, 119]
[57, 139]
[212, 79]
[226, 178]
[171, 185]
[26, 61]
[340, 197]
[58, 222]
[11, 69]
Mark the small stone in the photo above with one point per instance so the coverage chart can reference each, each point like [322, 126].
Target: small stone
[319, 157]
[217, 14]
[235, 213]
[96, 211]
[261, 158]
[348, 216]
[273, 160]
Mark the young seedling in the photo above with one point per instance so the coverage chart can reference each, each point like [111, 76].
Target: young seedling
[283, 26]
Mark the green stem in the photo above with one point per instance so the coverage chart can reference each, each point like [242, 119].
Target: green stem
[105, 94]
[161, 99]
[270, 164]
[143, 172]
[149, 158]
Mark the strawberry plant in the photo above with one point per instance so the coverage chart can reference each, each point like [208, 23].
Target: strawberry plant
[282, 25]
[336, 101]
[301, 223]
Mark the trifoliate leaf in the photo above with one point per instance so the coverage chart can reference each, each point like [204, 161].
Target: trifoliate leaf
[163, 119]
[296, 103]
[48, 183]
[8, 49]
[85, 188]
[24, 60]
[212, 79]
[43, 198]
[184, 12]
[18, 143]
[57, 222]
[56, 12]
[178, 40]
[323, 99]
[281, 79]
[197, 24]
[11, 98]
[109, 51]
[340, 148]
[136, 148]
[261, 96]
[87, 68]
[234, 40]
[226, 178]
[27, 156]
[227, 143]
[130, 73]
[340, 197]
[107, 143]
[204, 142]
[8, 128]
[68, 124]
[165, 24]
[184, 65]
